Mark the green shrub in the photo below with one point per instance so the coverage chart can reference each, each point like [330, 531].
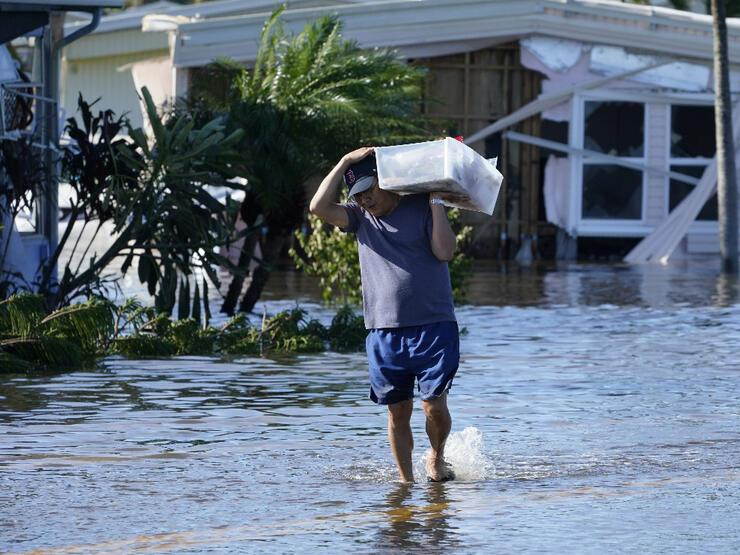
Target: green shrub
[347, 332]
[70, 337]
[144, 346]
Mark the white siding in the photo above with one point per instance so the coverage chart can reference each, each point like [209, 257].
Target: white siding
[102, 78]
[702, 243]
[657, 152]
[706, 240]
[100, 45]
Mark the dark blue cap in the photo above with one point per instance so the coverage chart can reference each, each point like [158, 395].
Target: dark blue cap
[361, 175]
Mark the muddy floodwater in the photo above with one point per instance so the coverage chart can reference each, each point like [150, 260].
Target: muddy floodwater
[597, 409]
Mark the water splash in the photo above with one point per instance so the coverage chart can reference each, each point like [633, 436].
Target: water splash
[464, 452]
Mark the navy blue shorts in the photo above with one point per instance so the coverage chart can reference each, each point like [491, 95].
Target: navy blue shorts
[398, 357]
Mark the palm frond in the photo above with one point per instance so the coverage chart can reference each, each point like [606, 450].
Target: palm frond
[271, 32]
[21, 314]
[51, 352]
[89, 325]
[10, 363]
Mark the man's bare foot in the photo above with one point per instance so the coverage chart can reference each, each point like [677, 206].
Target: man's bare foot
[438, 470]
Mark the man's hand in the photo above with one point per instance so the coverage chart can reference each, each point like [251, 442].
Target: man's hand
[357, 155]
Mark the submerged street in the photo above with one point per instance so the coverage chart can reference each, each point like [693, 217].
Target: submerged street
[596, 408]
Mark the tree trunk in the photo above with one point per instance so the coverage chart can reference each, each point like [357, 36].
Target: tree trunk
[237, 281]
[272, 246]
[726, 171]
[249, 211]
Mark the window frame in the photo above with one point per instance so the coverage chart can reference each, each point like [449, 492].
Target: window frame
[697, 226]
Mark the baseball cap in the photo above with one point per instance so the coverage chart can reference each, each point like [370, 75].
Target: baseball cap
[360, 176]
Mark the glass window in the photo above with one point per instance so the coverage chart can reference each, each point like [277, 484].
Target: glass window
[692, 132]
[680, 190]
[616, 128]
[611, 192]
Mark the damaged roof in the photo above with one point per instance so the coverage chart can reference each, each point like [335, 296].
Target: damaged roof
[131, 18]
[420, 28]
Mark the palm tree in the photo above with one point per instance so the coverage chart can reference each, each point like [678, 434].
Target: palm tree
[726, 169]
[309, 98]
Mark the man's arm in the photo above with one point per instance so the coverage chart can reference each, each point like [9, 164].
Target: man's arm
[443, 240]
[323, 204]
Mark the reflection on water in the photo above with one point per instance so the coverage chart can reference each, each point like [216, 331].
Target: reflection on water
[417, 516]
[596, 409]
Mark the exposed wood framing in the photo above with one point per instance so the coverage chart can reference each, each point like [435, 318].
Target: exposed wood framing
[471, 91]
[549, 100]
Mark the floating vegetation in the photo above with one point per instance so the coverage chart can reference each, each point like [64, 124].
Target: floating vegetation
[289, 331]
[77, 335]
[67, 338]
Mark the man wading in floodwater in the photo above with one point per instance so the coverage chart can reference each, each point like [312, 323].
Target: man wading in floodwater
[404, 244]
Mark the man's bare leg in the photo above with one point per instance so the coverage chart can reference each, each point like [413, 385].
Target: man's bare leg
[400, 437]
[439, 424]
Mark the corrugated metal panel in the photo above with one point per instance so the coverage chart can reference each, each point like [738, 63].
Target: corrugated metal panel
[656, 118]
[100, 78]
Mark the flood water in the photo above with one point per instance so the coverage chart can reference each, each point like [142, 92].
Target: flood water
[597, 409]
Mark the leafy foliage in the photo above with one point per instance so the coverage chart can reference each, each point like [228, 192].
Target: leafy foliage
[67, 338]
[347, 332]
[151, 192]
[89, 325]
[10, 363]
[75, 336]
[310, 98]
[21, 314]
[331, 255]
[289, 331]
[461, 264]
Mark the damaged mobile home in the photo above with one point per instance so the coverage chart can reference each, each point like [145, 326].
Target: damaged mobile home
[601, 112]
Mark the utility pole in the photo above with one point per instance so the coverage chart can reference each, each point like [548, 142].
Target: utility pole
[726, 171]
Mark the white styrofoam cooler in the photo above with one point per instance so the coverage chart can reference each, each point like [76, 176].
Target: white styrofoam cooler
[446, 166]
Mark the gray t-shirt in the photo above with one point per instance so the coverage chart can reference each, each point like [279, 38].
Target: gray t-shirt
[403, 283]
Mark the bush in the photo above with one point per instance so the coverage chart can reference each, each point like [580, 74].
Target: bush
[76, 336]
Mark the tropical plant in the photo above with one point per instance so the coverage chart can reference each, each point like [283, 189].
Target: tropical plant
[289, 331]
[151, 195]
[310, 98]
[22, 173]
[178, 222]
[331, 255]
[67, 338]
[76, 336]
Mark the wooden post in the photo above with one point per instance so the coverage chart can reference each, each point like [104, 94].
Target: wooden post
[726, 174]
